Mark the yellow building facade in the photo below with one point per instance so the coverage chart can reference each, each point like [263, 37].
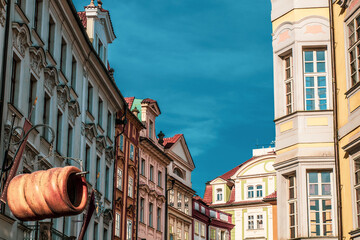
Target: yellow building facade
[346, 21]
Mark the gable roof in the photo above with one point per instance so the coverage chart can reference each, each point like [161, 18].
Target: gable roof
[168, 142]
[129, 101]
[83, 19]
[229, 174]
[208, 194]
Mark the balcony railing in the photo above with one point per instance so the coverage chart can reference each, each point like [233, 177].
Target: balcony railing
[34, 233]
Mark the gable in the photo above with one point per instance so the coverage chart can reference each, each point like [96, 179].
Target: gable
[218, 181]
[179, 150]
[263, 166]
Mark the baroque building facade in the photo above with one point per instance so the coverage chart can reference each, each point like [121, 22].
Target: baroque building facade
[52, 55]
[248, 193]
[303, 90]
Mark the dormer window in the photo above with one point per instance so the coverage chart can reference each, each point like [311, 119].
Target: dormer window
[178, 172]
[219, 194]
[250, 191]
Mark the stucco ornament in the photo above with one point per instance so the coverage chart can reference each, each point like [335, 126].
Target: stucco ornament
[74, 110]
[90, 131]
[21, 37]
[109, 154]
[37, 59]
[63, 95]
[100, 143]
[51, 79]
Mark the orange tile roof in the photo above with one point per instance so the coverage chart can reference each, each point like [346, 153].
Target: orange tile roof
[208, 194]
[83, 19]
[168, 142]
[271, 196]
[129, 101]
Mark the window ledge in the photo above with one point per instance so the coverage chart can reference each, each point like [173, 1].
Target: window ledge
[73, 92]
[50, 57]
[352, 90]
[62, 75]
[355, 233]
[37, 37]
[22, 14]
[90, 116]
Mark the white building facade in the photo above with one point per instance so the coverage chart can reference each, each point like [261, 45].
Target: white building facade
[56, 58]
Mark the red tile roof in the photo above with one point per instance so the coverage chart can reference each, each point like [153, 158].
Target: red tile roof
[83, 19]
[208, 194]
[168, 142]
[232, 195]
[271, 196]
[148, 100]
[129, 101]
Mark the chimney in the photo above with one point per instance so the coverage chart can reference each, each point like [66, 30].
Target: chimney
[161, 136]
[135, 111]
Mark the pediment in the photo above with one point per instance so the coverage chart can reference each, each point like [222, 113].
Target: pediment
[218, 181]
[261, 165]
[181, 150]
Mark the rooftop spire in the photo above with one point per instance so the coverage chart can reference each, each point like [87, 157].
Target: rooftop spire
[91, 4]
[99, 3]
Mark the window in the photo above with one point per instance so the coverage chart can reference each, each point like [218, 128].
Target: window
[22, 4]
[251, 222]
[87, 161]
[196, 228]
[186, 204]
[97, 172]
[171, 197]
[158, 223]
[59, 132]
[259, 191]
[179, 233]
[70, 141]
[159, 178]
[129, 230]
[219, 194]
[354, 48]
[107, 176]
[142, 210]
[131, 185]
[51, 37]
[100, 113]
[37, 15]
[73, 73]
[32, 97]
[288, 66]
[119, 179]
[320, 206]
[143, 167]
[357, 189]
[150, 214]
[100, 50]
[63, 56]
[132, 153]
[46, 116]
[179, 201]
[202, 230]
[259, 222]
[96, 231]
[121, 143]
[212, 234]
[151, 173]
[15, 80]
[105, 235]
[292, 207]
[222, 235]
[151, 127]
[178, 172]
[315, 80]
[90, 98]
[250, 191]
[109, 124]
[117, 224]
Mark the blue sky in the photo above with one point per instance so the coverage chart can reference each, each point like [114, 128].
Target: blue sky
[208, 63]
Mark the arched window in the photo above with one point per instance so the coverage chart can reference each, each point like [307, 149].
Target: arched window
[219, 194]
[250, 191]
[259, 191]
[178, 172]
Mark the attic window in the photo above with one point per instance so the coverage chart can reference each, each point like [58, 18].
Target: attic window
[219, 194]
[178, 172]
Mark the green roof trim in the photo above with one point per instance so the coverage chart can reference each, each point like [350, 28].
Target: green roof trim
[137, 104]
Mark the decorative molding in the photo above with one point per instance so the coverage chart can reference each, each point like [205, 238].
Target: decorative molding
[44, 164]
[30, 156]
[100, 143]
[63, 95]
[74, 110]
[107, 217]
[2, 13]
[37, 59]
[109, 154]
[21, 37]
[51, 79]
[90, 131]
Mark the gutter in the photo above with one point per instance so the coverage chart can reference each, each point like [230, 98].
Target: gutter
[335, 122]
[137, 196]
[4, 63]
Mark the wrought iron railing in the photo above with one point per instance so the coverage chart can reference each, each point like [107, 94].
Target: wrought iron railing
[34, 233]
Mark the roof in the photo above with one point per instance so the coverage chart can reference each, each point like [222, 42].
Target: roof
[83, 19]
[208, 194]
[271, 196]
[232, 195]
[148, 100]
[168, 142]
[129, 101]
[228, 174]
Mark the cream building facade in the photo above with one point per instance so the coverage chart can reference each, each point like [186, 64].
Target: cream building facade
[305, 161]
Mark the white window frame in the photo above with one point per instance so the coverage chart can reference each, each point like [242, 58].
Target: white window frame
[132, 151]
[292, 202]
[316, 75]
[117, 224]
[251, 222]
[353, 77]
[219, 194]
[129, 230]
[259, 221]
[250, 192]
[259, 191]
[119, 179]
[131, 187]
[288, 81]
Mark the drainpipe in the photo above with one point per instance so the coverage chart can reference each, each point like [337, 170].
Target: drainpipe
[335, 122]
[166, 205]
[4, 63]
[137, 195]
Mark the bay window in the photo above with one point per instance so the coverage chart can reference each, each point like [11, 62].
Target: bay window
[315, 77]
[288, 66]
[320, 203]
[292, 206]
